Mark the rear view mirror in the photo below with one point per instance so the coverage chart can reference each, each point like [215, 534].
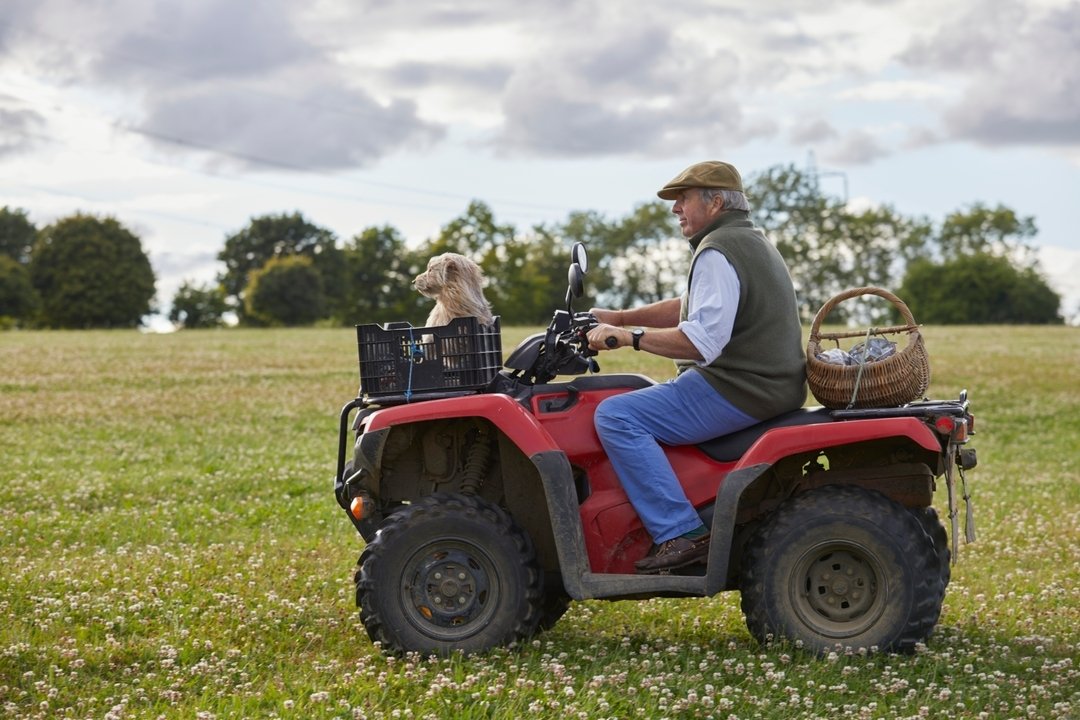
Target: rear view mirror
[576, 279]
[580, 257]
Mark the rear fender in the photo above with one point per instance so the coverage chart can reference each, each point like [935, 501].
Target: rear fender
[780, 454]
[777, 444]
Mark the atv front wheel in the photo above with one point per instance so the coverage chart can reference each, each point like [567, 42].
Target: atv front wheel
[448, 572]
[842, 567]
[553, 605]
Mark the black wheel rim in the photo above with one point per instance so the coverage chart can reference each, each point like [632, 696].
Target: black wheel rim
[839, 589]
[449, 589]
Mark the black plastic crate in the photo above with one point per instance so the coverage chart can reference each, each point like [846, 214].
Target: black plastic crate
[397, 359]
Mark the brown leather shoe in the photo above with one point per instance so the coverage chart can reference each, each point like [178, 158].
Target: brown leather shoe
[675, 553]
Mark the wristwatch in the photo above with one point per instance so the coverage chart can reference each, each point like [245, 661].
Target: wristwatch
[637, 334]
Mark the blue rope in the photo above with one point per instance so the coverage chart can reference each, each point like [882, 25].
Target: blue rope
[412, 355]
[416, 354]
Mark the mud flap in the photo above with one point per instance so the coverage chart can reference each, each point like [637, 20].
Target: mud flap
[969, 514]
[951, 467]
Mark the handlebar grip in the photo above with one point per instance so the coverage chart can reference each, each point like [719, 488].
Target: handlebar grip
[611, 341]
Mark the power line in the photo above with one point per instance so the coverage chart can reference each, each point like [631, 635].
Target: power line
[812, 169]
[280, 165]
[274, 162]
[256, 159]
[152, 213]
[292, 188]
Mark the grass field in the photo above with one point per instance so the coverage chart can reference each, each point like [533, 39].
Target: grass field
[170, 547]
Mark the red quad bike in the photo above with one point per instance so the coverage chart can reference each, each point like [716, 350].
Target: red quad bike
[487, 503]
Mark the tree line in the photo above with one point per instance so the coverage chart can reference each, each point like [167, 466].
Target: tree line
[975, 266]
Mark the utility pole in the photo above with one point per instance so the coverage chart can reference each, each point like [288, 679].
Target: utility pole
[816, 175]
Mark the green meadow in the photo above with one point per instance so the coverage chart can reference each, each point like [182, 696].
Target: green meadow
[170, 548]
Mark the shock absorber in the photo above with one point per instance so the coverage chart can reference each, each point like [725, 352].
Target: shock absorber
[477, 461]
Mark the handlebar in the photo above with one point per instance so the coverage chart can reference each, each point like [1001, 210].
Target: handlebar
[580, 324]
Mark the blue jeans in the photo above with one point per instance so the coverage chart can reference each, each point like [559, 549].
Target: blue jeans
[631, 426]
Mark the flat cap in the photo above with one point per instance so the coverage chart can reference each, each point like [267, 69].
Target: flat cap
[708, 174]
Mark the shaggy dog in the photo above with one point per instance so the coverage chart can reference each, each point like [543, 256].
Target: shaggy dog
[456, 284]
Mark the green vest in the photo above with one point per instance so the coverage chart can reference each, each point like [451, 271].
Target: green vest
[762, 369]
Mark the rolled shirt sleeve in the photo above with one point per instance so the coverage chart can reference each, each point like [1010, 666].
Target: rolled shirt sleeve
[714, 299]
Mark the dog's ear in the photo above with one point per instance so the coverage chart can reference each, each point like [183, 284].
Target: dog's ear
[468, 271]
[461, 269]
[450, 265]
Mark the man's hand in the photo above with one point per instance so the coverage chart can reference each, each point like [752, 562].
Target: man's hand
[598, 336]
[610, 317]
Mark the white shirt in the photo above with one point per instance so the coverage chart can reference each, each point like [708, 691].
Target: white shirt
[714, 299]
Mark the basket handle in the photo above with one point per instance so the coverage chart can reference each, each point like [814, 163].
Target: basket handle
[816, 335]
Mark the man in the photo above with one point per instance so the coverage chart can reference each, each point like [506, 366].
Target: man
[737, 343]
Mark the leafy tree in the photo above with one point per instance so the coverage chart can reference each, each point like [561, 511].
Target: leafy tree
[91, 272]
[19, 300]
[17, 234]
[474, 233]
[827, 247]
[198, 306]
[525, 273]
[647, 256]
[532, 278]
[594, 230]
[273, 236]
[638, 259]
[985, 272]
[830, 248]
[804, 224]
[379, 270]
[981, 229]
[978, 288]
[477, 235]
[285, 291]
[874, 248]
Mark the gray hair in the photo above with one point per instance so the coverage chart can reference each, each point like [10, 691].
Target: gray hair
[733, 199]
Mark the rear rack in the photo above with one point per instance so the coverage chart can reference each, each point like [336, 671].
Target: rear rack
[924, 408]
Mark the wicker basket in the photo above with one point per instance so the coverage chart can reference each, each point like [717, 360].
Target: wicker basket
[895, 380]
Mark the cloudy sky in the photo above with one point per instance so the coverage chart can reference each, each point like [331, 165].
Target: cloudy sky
[185, 118]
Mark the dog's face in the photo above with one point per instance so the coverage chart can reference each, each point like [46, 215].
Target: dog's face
[445, 271]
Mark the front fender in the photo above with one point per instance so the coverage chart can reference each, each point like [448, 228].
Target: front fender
[374, 428]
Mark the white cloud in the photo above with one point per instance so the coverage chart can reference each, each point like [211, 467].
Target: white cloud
[1061, 267]
[20, 128]
[888, 91]
[858, 147]
[1021, 71]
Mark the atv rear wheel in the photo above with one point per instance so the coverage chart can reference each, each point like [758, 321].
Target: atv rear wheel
[842, 567]
[931, 524]
[448, 572]
[933, 528]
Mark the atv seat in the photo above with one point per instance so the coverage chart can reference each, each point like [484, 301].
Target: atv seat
[731, 447]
